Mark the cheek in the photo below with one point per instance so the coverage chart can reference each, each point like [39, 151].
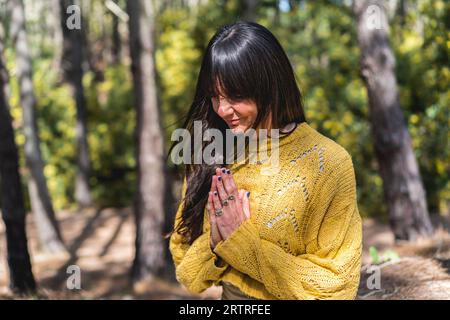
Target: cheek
[215, 107]
[219, 111]
[247, 110]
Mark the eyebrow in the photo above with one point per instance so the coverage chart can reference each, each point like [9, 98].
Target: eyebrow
[219, 96]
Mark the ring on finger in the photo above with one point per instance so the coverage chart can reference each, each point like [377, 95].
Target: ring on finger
[231, 197]
[218, 212]
[225, 202]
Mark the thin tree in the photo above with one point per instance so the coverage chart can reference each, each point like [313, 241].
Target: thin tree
[54, 16]
[116, 42]
[21, 279]
[403, 188]
[71, 64]
[149, 258]
[94, 39]
[249, 10]
[41, 204]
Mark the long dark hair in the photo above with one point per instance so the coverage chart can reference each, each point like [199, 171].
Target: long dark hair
[248, 62]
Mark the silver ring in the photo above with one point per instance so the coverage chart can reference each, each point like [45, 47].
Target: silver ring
[225, 202]
[231, 197]
[218, 212]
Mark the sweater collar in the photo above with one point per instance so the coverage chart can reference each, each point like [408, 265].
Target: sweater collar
[302, 130]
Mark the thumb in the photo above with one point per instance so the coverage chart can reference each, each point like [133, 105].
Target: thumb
[246, 204]
[241, 194]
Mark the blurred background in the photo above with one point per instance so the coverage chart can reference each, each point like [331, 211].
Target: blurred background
[91, 90]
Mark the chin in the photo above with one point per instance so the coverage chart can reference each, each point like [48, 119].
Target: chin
[238, 129]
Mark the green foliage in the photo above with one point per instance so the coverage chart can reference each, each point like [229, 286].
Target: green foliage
[321, 43]
[111, 124]
[374, 255]
[377, 258]
[183, 34]
[177, 59]
[422, 48]
[320, 39]
[56, 123]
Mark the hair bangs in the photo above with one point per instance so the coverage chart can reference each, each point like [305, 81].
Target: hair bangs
[230, 76]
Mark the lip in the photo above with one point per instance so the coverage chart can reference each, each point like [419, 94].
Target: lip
[234, 122]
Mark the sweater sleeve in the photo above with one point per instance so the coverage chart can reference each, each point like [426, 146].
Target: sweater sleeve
[330, 266]
[197, 267]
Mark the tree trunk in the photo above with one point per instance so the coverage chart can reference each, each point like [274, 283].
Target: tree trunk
[116, 44]
[21, 279]
[49, 235]
[403, 188]
[93, 54]
[149, 201]
[250, 7]
[72, 59]
[169, 217]
[56, 33]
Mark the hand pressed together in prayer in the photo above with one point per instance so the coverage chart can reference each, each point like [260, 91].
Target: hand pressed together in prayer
[227, 206]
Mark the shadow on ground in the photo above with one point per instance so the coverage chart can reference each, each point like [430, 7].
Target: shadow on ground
[101, 243]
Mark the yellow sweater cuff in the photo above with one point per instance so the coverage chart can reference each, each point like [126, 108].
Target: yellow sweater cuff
[239, 245]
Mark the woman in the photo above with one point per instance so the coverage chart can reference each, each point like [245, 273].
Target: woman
[293, 234]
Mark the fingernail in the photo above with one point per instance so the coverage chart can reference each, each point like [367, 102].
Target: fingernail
[215, 193]
[248, 194]
[223, 170]
[219, 178]
[228, 171]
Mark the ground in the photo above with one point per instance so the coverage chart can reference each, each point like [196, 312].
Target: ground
[101, 243]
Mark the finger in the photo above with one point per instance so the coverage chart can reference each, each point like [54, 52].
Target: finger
[212, 212]
[210, 207]
[220, 172]
[233, 209]
[212, 217]
[241, 195]
[229, 184]
[231, 189]
[239, 200]
[246, 204]
[216, 201]
[210, 204]
[221, 189]
[214, 182]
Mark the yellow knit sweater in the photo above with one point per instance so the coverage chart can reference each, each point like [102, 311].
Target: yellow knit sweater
[303, 239]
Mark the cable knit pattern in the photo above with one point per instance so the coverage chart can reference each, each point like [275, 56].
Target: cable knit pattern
[304, 237]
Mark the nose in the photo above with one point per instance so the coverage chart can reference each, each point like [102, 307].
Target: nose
[225, 110]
